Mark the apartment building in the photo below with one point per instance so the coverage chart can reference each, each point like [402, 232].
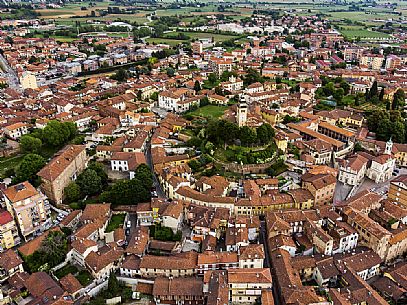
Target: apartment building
[29, 207]
[183, 264]
[398, 190]
[220, 65]
[321, 186]
[210, 260]
[8, 231]
[184, 290]
[16, 131]
[173, 99]
[245, 285]
[61, 170]
[251, 256]
[10, 264]
[372, 61]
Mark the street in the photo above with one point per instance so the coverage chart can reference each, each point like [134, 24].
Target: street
[10, 74]
[157, 185]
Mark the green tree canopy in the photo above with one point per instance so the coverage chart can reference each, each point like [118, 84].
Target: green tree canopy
[131, 191]
[89, 182]
[30, 144]
[51, 252]
[265, 134]
[28, 169]
[72, 192]
[399, 99]
[56, 133]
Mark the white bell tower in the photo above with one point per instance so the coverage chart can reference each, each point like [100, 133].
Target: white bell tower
[242, 114]
[389, 147]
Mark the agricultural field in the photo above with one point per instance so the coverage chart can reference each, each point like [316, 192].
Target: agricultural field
[363, 33]
[72, 10]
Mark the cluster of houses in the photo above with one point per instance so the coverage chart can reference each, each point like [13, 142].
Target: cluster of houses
[242, 241]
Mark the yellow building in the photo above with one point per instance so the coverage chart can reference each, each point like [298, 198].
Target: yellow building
[8, 231]
[398, 190]
[281, 142]
[28, 81]
[271, 116]
[63, 169]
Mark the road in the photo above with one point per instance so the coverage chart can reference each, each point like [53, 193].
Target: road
[157, 185]
[267, 261]
[263, 240]
[10, 74]
[341, 191]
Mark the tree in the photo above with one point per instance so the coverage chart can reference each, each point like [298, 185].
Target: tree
[100, 170]
[55, 247]
[373, 90]
[338, 94]
[247, 136]
[89, 182]
[113, 285]
[9, 40]
[387, 124]
[121, 75]
[170, 71]
[399, 99]
[143, 174]
[265, 133]
[204, 101]
[212, 79]
[131, 191]
[28, 169]
[56, 133]
[197, 86]
[72, 192]
[252, 76]
[381, 95]
[345, 86]
[51, 252]
[30, 144]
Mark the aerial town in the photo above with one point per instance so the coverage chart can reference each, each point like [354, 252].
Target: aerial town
[212, 153]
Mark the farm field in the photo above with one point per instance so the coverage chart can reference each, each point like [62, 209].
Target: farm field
[362, 33]
[72, 9]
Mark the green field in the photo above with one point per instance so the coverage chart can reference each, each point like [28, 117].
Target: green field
[115, 222]
[171, 42]
[9, 163]
[210, 111]
[362, 33]
[201, 35]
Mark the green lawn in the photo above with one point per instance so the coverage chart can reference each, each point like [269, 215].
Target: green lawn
[362, 33]
[209, 111]
[84, 277]
[65, 271]
[115, 222]
[9, 162]
[171, 42]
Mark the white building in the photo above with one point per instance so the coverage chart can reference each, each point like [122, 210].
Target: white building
[251, 256]
[15, 131]
[382, 166]
[242, 114]
[245, 285]
[352, 170]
